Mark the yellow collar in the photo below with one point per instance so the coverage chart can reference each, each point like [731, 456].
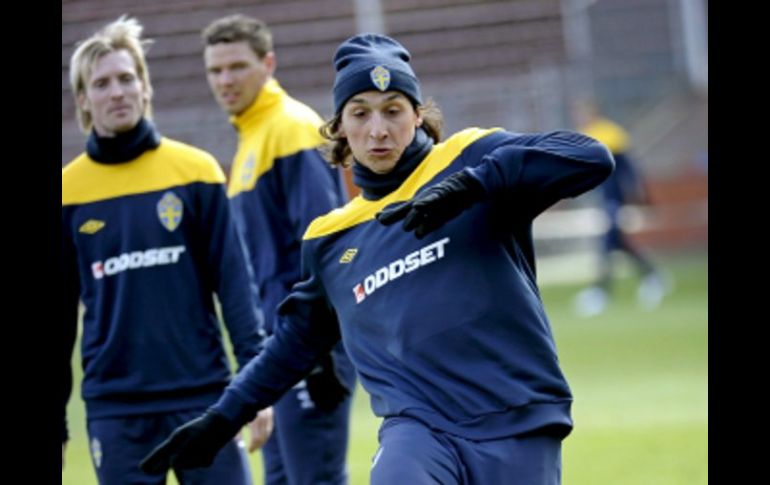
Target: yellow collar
[269, 97]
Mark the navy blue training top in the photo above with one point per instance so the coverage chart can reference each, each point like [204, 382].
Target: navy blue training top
[450, 329]
[145, 245]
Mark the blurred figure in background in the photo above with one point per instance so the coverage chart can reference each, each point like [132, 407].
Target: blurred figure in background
[279, 183]
[147, 240]
[625, 186]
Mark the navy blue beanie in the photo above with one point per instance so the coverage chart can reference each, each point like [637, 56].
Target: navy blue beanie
[368, 62]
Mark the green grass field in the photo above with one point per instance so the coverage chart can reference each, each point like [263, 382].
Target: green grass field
[640, 381]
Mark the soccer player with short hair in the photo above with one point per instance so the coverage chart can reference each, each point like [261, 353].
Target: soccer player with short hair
[279, 183]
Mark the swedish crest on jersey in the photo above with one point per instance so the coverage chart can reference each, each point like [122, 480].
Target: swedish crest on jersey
[380, 77]
[170, 210]
[248, 170]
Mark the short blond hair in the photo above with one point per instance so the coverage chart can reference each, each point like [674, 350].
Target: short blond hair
[124, 33]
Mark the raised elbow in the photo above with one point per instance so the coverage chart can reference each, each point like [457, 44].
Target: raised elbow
[605, 161]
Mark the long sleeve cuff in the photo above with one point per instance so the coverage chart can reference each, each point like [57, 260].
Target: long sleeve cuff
[234, 408]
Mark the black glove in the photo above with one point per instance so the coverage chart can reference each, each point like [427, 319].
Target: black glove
[325, 389]
[433, 207]
[192, 445]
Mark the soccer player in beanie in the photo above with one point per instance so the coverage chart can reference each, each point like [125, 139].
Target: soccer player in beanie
[428, 277]
[147, 239]
[279, 183]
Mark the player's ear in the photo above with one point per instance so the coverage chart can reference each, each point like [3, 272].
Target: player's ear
[83, 101]
[270, 63]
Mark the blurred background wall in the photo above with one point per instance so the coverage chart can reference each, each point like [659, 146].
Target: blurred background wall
[510, 63]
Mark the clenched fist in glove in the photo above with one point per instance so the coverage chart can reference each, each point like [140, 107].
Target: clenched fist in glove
[433, 207]
[324, 386]
[192, 445]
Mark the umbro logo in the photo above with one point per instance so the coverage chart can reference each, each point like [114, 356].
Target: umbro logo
[348, 255]
[91, 226]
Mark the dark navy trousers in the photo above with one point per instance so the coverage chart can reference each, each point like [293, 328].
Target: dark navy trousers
[411, 453]
[118, 445]
[308, 446]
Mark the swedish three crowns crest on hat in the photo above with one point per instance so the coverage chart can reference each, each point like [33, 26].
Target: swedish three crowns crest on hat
[380, 77]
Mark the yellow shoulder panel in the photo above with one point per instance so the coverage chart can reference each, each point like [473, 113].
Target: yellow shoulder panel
[609, 133]
[296, 129]
[172, 164]
[290, 131]
[360, 210]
